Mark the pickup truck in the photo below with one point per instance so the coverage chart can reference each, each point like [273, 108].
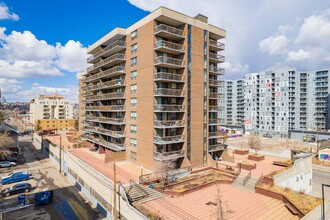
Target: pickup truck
[15, 177]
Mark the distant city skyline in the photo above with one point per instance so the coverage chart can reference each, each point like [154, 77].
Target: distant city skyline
[41, 53]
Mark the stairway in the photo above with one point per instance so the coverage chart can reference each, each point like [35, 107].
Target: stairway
[139, 193]
[249, 185]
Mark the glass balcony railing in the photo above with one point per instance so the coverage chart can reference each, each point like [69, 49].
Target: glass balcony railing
[110, 84]
[216, 44]
[168, 77]
[106, 73]
[169, 92]
[118, 43]
[111, 145]
[169, 123]
[106, 108]
[168, 139]
[216, 57]
[214, 121]
[169, 108]
[168, 155]
[106, 120]
[169, 61]
[217, 70]
[215, 134]
[108, 60]
[169, 30]
[108, 96]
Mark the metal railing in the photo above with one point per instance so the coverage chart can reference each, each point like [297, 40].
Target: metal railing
[168, 60]
[169, 92]
[169, 123]
[168, 76]
[105, 73]
[169, 108]
[168, 155]
[217, 57]
[214, 121]
[217, 44]
[247, 178]
[106, 120]
[106, 84]
[114, 146]
[176, 138]
[215, 134]
[217, 70]
[168, 29]
[117, 43]
[106, 108]
[117, 56]
[114, 95]
[169, 45]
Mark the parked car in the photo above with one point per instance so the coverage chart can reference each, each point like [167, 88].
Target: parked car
[15, 177]
[18, 188]
[13, 153]
[267, 135]
[309, 138]
[7, 164]
[11, 159]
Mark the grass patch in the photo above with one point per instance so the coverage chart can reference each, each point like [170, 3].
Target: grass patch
[151, 215]
[305, 203]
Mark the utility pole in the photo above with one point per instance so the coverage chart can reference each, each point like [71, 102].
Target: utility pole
[60, 149]
[114, 192]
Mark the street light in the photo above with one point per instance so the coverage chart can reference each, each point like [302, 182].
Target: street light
[323, 207]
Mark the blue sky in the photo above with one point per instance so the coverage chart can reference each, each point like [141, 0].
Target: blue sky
[42, 43]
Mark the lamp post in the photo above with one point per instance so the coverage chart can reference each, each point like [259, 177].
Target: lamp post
[323, 206]
[240, 166]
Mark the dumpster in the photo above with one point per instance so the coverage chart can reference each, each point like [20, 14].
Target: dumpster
[43, 198]
[21, 199]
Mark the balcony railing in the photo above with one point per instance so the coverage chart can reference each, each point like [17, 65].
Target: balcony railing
[218, 58]
[113, 146]
[169, 123]
[168, 155]
[116, 82]
[168, 29]
[168, 139]
[117, 56]
[215, 95]
[106, 108]
[109, 72]
[216, 108]
[169, 92]
[169, 61]
[169, 46]
[217, 147]
[215, 134]
[168, 76]
[216, 44]
[217, 70]
[118, 134]
[214, 121]
[106, 120]
[114, 95]
[214, 82]
[118, 43]
[169, 108]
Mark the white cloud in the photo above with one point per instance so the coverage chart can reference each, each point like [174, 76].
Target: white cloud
[13, 91]
[274, 44]
[23, 55]
[6, 14]
[298, 55]
[234, 70]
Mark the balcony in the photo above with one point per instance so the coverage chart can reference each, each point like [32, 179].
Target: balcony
[111, 133]
[108, 96]
[114, 59]
[115, 47]
[168, 108]
[214, 121]
[106, 120]
[168, 123]
[215, 134]
[168, 62]
[216, 58]
[115, 71]
[215, 45]
[169, 47]
[168, 77]
[169, 32]
[215, 108]
[215, 95]
[216, 83]
[107, 108]
[169, 92]
[168, 139]
[216, 70]
[160, 156]
[112, 146]
[217, 147]
[107, 85]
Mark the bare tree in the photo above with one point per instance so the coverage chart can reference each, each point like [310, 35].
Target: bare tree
[254, 143]
[37, 126]
[166, 168]
[5, 140]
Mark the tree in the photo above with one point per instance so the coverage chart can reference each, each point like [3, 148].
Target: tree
[254, 142]
[76, 125]
[37, 126]
[166, 168]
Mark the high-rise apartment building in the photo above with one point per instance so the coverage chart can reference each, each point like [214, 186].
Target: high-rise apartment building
[232, 103]
[280, 99]
[151, 91]
[52, 112]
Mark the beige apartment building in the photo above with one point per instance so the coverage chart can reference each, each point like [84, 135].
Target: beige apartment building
[52, 112]
[150, 94]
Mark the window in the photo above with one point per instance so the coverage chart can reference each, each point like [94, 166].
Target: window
[133, 102]
[133, 88]
[134, 35]
[133, 115]
[134, 48]
[132, 155]
[133, 142]
[133, 128]
[133, 61]
[133, 75]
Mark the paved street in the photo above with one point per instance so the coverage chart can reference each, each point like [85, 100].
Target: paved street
[67, 203]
